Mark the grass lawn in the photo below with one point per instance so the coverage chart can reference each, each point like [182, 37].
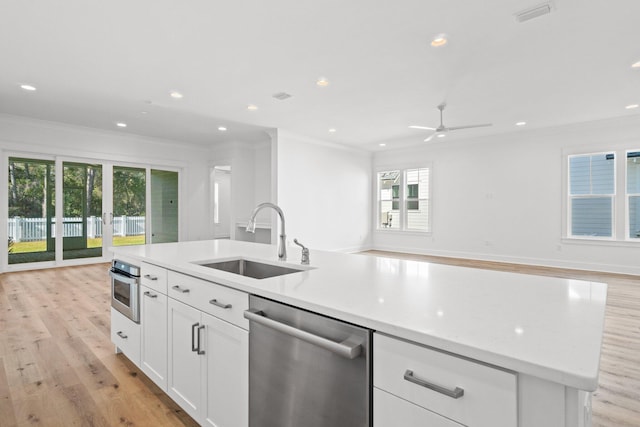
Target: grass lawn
[41, 245]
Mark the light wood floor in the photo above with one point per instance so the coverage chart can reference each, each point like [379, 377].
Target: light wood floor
[58, 368]
[57, 362]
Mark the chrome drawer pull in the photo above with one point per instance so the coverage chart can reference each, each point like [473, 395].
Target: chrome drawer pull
[122, 335]
[150, 277]
[348, 348]
[179, 289]
[219, 304]
[150, 295]
[456, 393]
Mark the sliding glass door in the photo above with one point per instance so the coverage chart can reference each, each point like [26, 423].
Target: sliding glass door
[82, 210]
[129, 206]
[164, 206]
[31, 211]
[102, 205]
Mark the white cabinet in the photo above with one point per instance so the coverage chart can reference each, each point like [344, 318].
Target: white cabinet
[153, 323]
[467, 392]
[390, 411]
[208, 366]
[185, 364]
[227, 373]
[125, 334]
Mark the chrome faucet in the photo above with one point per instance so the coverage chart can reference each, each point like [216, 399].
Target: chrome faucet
[305, 252]
[251, 228]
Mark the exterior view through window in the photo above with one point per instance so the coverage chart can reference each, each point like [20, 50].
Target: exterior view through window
[633, 193]
[31, 210]
[129, 206]
[591, 195]
[403, 200]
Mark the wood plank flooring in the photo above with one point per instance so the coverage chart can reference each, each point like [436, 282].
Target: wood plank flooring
[616, 403]
[57, 362]
[58, 367]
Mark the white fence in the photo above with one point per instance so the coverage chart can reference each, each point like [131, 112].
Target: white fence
[33, 229]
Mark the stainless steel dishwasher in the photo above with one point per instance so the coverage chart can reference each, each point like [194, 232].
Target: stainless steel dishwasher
[306, 369]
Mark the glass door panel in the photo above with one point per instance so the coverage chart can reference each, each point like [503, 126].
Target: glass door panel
[164, 206]
[129, 205]
[31, 210]
[82, 210]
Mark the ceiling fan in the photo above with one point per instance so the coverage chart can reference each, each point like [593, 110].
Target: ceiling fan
[442, 128]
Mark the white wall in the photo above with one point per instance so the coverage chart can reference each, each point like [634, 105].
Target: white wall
[250, 180]
[500, 197]
[324, 191]
[37, 137]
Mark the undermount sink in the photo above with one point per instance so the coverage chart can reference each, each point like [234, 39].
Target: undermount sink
[248, 268]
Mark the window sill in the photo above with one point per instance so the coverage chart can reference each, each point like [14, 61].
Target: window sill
[402, 232]
[600, 242]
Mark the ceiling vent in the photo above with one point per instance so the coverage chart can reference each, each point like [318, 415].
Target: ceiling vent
[281, 96]
[534, 12]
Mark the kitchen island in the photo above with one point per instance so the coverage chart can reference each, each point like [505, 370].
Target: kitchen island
[544, 332]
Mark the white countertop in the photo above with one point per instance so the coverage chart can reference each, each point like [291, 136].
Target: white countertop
[546, 327]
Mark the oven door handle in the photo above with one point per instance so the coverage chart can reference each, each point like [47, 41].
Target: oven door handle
[347, 348]
[122, 278]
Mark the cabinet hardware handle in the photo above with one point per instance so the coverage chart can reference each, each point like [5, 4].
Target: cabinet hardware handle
[219, 304]
[456, 393]
[150, 277]
[193, 336]
[200, 351]
[347, 348]
[122, 335]
[150, 295]
[179, 289]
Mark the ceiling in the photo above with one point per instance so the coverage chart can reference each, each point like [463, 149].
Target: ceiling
[95, 63]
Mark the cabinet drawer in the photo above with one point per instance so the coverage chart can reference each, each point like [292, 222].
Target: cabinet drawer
[154, 277]
[220, 301]
[391, 411]
[125, 334]
[488, 394]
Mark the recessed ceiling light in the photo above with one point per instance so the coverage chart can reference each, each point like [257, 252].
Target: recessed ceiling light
[144, 112]
[521, 123]
[382, 144]
[636, 65]
[121, 125]
[439, 40]
[631, 107]
[176, 95]
[28, 87]
[442, 135]
[332, 130]
[222, 128]
[322, 82]
[252, 107]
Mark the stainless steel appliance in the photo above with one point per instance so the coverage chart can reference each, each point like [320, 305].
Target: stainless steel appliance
[306, 369]
[125, 292]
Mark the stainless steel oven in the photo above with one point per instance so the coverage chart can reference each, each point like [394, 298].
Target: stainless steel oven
[125, 291]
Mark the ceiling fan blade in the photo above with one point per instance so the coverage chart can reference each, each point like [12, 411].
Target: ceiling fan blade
[469, 126]
[430, 137]
[422, 127]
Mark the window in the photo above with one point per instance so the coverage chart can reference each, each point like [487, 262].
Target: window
[633, 194]
[403, 200]
[591, 195]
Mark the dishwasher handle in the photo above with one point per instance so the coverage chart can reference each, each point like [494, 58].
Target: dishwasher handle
[345, 348]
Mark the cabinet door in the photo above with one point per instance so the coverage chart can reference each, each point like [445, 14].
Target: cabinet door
[227, 373]
[391, 411]
[153, 320]
[185, 365]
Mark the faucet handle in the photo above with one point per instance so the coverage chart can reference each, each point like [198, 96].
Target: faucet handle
[305, 252]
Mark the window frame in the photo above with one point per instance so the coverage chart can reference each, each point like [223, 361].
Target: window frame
[402, 199]
[569, 197]
[627, 198]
